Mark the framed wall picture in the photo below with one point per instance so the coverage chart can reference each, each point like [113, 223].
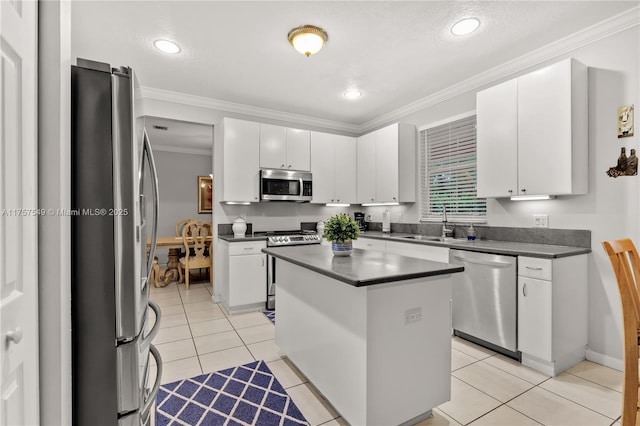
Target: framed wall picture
[205, 194]
[625, 121]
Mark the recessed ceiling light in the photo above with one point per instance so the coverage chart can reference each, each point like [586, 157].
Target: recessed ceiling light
[465, 26]
[166, 46]
[352, 94]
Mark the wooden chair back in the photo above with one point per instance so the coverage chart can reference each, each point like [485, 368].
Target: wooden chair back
[626, 267]
[194, 235]
[179, 225]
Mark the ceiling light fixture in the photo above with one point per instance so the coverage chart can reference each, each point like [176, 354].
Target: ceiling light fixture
[352, 94]
[465, 26]
[307, 39]
[166, 46]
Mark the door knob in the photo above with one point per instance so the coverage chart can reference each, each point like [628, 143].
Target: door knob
[15, 336]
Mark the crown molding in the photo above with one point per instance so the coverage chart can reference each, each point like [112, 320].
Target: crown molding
[183, 149]
[216, 104]
[557, 48]
[553, 50]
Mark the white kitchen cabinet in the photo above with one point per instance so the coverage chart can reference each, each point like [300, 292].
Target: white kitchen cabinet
[387, 165]
[244, 275]
[284, 148]
[273, 146]
[298, 149]
[241, 160]
[534, 317]
[552, 312]
[370, 244]
[366, 168]
[333, 168]
[419, 251]
[497, 136]
[532, 134]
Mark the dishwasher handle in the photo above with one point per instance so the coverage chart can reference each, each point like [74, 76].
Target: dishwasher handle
[494, 263]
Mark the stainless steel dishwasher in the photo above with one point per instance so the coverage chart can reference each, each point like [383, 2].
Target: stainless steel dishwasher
[485, 300]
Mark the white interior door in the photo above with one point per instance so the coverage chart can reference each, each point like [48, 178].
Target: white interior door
[18, 218]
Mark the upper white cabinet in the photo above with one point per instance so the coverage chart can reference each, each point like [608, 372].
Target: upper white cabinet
[332, 166]
[241, 160]
[532, 133]
[386, 165]
[284, 148]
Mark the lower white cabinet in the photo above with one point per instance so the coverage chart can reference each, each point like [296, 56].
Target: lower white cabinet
[419, 251]
[369, 244]
[534, 317]
[244, 275]
[552, 312]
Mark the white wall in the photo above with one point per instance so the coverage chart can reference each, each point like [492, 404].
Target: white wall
[610, 210]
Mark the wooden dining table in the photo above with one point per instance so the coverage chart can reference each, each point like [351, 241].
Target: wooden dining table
[162, 277]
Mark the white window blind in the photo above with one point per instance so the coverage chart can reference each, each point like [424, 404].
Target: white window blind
[448, 172]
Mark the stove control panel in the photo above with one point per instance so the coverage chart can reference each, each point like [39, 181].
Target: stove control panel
[292, 240]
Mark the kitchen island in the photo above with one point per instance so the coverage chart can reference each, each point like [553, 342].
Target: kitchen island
[371, 331]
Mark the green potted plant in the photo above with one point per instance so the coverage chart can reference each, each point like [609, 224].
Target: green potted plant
[340, 230]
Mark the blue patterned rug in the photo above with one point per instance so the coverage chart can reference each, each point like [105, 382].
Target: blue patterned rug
[271, 315]
[245, 395]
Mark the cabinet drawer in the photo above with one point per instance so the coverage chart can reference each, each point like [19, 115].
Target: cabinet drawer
[237, 249]
[534, 267]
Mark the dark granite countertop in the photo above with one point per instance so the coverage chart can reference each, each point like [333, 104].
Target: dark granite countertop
[487, 246]
[247, 237]
[363, 267]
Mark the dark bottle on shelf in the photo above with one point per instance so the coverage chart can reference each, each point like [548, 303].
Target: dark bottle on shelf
[632, 164]
[622, 161]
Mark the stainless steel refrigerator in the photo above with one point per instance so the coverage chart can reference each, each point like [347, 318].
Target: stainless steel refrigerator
[112, 174]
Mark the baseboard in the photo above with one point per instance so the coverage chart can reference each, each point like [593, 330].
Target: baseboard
[606, 360]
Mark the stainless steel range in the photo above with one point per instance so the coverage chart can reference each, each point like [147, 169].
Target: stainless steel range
[283, 238]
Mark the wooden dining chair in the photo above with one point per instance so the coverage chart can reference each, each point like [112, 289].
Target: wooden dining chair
[194, 236]
[179, 225]
[626, 267]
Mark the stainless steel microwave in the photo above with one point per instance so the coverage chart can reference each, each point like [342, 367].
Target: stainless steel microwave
[285, 185]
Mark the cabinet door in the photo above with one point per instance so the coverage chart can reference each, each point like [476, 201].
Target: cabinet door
[370, 244]
[419, 251]
[497, 140]
[366, 168]
[298, 150]
[241, 160]
[534, 317]
[273, 146]
[322, 167]
[544, 130]
[345, 174]
[387, 164]
[247, 279]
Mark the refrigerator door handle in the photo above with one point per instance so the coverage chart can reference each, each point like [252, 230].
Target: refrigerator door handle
[145, 410]
[156, 325]
[154, 182]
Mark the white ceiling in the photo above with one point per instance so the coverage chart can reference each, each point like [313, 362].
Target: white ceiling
[396, 52]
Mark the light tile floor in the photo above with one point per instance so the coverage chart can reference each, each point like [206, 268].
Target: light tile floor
[197, 337]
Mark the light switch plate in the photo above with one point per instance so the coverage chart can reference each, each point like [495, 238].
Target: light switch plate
[540, 220]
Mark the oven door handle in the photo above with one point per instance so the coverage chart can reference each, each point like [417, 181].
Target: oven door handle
[301, 187]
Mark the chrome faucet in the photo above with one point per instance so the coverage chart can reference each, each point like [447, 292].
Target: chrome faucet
[446, 232]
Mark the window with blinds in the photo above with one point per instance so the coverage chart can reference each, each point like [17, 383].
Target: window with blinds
[448, 172]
